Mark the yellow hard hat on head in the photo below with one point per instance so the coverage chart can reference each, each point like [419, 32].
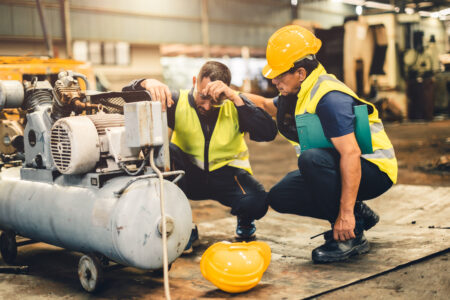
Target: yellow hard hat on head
[235, 267]
[286, 46]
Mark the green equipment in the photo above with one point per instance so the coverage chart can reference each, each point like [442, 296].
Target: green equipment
[311, 135]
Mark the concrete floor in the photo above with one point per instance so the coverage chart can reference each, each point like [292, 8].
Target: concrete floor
[412, 225]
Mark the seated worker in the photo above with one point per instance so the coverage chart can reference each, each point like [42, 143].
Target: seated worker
[331, 183]
[208, 123]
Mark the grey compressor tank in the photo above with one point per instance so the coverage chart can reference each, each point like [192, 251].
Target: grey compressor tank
[91, 178]
[90, 220]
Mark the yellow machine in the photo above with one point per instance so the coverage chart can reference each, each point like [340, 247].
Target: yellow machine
[24, 68]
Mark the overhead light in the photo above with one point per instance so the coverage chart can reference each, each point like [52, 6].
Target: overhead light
[373, 4]
[370, 4]
[435, 15]
[359, 10]
[444, 12]
[409, 10]
[423, 13]
[353, 2]
[294, 2]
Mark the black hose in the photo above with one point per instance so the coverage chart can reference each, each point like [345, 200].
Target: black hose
[139, 170]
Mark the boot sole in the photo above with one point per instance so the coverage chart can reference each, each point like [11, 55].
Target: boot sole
[360, 249]
[245, 239]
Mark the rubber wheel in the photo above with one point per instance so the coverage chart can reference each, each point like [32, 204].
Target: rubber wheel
[8, 246]
[90, 272]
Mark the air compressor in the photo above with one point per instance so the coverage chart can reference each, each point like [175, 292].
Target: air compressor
[94, 174]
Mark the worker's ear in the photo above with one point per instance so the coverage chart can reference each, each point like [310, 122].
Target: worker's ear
[302, 74]
[194, 80]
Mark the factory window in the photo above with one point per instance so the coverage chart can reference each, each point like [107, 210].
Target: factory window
[106, 53]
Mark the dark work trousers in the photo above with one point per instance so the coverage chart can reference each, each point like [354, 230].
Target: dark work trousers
[315, 189]
[232, 187]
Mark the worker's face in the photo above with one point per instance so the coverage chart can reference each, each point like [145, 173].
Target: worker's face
[289, 83]
[204, 103]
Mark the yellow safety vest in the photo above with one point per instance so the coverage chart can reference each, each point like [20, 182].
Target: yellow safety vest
[227, 145]
[317, 85]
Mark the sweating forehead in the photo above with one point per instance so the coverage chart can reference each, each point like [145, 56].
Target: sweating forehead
[204, 81]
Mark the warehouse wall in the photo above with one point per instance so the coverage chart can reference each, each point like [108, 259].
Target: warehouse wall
[144, 25]
[325, 13]
[231, 22]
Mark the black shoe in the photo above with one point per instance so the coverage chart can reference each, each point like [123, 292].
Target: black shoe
[368, 216]
[333, 250]
[193, 241]
[245, 229]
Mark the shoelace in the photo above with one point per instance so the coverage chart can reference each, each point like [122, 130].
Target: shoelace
[327, 234]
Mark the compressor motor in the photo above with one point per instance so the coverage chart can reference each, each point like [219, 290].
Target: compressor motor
[68, 132]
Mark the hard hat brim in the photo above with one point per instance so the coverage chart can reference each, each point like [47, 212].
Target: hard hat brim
[270, 73]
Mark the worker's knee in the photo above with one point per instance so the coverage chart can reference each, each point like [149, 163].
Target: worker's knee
[275, 199]
[313, 159]
[253, 206]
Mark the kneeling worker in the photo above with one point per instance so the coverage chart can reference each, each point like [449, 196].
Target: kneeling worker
[331, 183]
[208, 123]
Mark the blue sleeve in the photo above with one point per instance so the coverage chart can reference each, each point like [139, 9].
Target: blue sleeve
[275, 101]
[335, 111]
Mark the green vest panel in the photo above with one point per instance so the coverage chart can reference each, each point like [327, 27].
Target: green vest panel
[319, 83]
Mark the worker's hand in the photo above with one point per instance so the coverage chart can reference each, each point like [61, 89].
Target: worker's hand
[344, 226]
[219, 91]
[159, 92]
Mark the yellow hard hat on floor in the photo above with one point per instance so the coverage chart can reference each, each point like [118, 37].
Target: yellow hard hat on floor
[286, 46]
[235, 267]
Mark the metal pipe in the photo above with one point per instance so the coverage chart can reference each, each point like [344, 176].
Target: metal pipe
[164, 230]
[65, 16]
[205, 28]
[47, 36]
[166, 141]
[179, 173]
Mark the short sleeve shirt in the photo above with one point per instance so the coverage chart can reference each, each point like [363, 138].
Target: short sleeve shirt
[335, 111]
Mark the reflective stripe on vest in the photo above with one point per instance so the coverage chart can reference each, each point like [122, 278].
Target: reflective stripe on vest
[227, 145]
[294, 144]
[319, 83]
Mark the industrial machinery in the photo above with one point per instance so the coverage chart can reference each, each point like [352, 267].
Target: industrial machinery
[25, 68]
[92, 177]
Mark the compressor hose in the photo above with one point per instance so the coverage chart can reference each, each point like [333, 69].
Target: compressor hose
[164, 232]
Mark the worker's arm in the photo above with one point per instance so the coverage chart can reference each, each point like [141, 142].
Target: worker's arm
[159, 92]
[254, 120]
[350, 167]
[335, 111]
[264, 103]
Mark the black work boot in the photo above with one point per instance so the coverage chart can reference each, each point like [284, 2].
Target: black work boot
[333, 250]
[369, 217]
[245, 229]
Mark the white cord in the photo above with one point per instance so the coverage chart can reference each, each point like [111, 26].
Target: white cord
[164, 232]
